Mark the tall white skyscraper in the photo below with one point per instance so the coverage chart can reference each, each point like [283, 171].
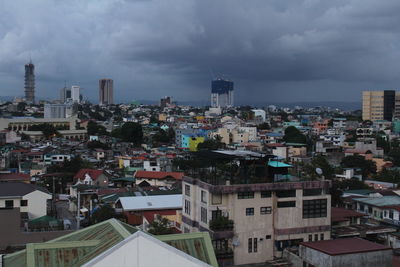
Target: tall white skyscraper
[76, 93]
[106, 91]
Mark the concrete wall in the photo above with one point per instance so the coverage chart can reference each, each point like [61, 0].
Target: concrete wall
[12, 235]
[37, 203]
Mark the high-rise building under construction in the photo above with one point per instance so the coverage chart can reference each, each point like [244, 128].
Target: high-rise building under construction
[30, 82]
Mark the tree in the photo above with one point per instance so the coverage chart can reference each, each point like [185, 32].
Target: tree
[103, 213]
[129, 132]
[322, 163]
[263, 126]
[211, 144]
[389, 176]
[94, 129]
[48, 130]
[338, 187]
[293, 135]
[394, 156]
[160, 226]
[356, 161]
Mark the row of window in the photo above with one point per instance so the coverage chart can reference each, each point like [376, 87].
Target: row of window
[263, 211]
[10, 203]
[280, 193]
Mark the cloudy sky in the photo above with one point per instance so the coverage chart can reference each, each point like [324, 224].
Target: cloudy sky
[274, 50]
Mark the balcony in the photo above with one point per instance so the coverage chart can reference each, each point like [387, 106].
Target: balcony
[221, 228]
[224, 253]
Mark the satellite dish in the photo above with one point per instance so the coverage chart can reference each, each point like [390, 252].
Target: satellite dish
[235, 242]
[318, 171]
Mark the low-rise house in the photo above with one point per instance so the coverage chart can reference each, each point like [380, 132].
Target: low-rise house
[31, 199]
[344, 252]
[152, 178]
[345, 217]
[384, 209]
[135, 207]
[91, 177]
[15, 177]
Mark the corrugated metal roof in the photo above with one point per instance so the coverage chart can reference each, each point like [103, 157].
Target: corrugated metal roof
[151, 202]
[197, 245]
[380, 201]
[73, 249]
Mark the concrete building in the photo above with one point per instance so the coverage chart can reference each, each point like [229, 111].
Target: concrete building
[53, 111]
[30, 82]
[106, 91]
[23, 123]
[355, 252]
[221, 93]
[30, 199]
[165, 102]
[65, 94]
[251, 220]
[378, 105]
[76, 93]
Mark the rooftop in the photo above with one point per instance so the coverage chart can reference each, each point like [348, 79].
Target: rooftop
[380, 201]
[345, 246]
[151, 202]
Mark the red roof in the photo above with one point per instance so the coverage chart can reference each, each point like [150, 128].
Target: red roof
[275, 145]
[94, 174]
[345, 246]
[15, 177]
[342, 214]
[158, 175]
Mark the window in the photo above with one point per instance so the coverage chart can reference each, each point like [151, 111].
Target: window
[321, 237]
[316, 237]
[249, 211]
[265, 210]
[390, 214]
[203, 215]
[362, 207]
[220, 244]
[245, 195]
[250, 245]
[24, 203]
[216, 214]
[187, 190]
[265, 194]
[315, 208]
[370, 210]
[255, 244]
[187, 207]
[9, 203]
[312, 192]
[286, 193]
[216, 199]
[309, 237]
[286, 204]
[268, 237]
[203, 196]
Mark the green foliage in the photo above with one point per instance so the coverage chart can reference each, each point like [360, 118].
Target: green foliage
[70, 166]
[394, 156]
[94, 129]
[338, 187]
[367, 167]
[211, 144]
[48, 130]
[293, 135]
[129, 132]
[263, 126]
[164, 136]
[103, 213]
[389, 176]
[160, 226]
[322, 163]
[97, 144]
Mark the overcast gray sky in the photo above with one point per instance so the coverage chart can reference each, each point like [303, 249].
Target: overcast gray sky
[274, 50]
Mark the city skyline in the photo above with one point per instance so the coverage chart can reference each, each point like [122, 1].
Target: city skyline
[280, 51]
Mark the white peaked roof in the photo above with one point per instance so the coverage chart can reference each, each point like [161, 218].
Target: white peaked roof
[151, 202]
[142, 250]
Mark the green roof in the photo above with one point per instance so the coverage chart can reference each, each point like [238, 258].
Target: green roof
[278, 164]
[359, 191]
[197, 245]
[73, 249]
[124, 179]
[380, 201]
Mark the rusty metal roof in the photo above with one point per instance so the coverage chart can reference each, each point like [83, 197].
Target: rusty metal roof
[73, 249]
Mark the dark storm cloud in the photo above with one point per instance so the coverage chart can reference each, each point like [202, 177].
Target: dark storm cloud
[276, 50]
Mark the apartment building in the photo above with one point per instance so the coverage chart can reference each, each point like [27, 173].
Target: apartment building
[252, 222]
[378, 105]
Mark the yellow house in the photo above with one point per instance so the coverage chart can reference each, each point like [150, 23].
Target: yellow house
[194, 142]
